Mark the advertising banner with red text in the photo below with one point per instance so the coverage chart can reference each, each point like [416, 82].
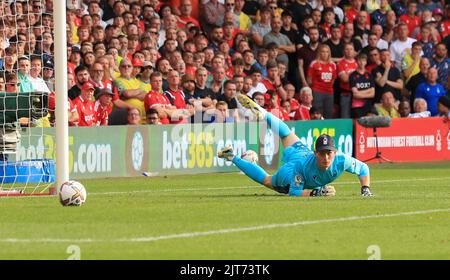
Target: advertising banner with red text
[406, 140]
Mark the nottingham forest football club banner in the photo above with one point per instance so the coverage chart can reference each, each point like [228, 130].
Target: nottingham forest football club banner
[407, 139]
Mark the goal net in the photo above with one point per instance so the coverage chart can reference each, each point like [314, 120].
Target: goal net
[26, 82]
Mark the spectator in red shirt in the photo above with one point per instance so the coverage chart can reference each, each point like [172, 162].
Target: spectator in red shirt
[156, 99]
[102, 106]
[306, 98]
[344, 68]
[185, 17]
[273, 82]
[321, 76]
[85, 106]
[411, 20]
[274, 108]
[177, 98]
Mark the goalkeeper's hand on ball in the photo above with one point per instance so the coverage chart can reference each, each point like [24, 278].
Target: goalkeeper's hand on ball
[324, 191]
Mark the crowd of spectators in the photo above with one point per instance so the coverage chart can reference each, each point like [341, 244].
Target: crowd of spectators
[154, 62]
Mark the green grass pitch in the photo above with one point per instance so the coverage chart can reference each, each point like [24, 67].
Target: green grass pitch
[227, 216]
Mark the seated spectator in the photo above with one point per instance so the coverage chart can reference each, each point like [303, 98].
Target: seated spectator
[387, 106]
[102, 107]
[444, 106]
[420, 109]
[134, 116]
[152, 116]
[316, 113]
[410, 62]
[222, 113]
[274, 108]
[258, 97]
[156, 99]
[303, 111]
[286, 105]
[431, 91]
[85, 106]
[404, 109]
[131, 90]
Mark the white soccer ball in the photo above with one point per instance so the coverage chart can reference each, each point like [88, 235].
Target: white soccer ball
[250, 156]
[72, 193]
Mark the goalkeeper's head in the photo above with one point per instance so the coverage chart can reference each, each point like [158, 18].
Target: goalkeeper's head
[325, 151]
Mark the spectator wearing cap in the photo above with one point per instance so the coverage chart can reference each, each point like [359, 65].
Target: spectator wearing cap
[48, 75]
[188, 88]
[24, 74]
[444, 106]
[75, 56]
[285, 46]
[146, 71]
[102, 107]
[130, 89]
[138, 66]
[431, 90]
[85, 105]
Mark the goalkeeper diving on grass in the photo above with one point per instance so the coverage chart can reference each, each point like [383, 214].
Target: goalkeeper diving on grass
[305, 173]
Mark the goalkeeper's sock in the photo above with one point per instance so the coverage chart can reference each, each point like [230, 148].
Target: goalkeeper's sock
[252, 170]
[277, 125]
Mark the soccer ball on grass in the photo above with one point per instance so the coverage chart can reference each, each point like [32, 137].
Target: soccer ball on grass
[72, 193]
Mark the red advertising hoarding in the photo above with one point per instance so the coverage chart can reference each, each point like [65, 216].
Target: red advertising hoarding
[407, 139]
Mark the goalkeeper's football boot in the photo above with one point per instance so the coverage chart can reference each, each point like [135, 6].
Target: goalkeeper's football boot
[365, 191]
[248, 103]
[226, 153]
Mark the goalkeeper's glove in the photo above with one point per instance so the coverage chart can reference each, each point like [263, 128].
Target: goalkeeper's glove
[324, 191]
[365, 191]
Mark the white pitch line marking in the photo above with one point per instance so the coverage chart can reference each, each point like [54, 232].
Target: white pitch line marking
[221, 231]
[232, 188]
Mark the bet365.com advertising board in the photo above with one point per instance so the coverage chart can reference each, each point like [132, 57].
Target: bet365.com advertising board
[126, 151]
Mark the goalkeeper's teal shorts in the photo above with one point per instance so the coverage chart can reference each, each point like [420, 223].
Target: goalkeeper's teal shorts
[284, 178]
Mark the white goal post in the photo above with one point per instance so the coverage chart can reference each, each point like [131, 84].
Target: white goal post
[62, 127]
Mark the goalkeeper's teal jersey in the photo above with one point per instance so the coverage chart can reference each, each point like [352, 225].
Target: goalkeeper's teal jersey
[301, 171]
